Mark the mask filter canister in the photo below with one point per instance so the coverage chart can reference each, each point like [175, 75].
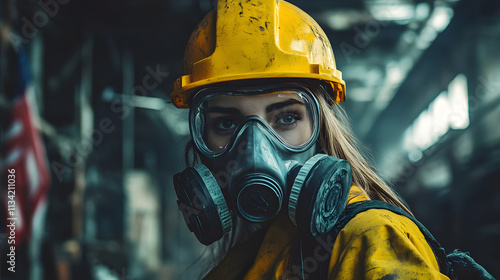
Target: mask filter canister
[202, 204]
[319, 193]
[259, 197]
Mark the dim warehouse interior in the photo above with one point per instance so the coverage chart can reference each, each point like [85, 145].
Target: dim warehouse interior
[423, 95]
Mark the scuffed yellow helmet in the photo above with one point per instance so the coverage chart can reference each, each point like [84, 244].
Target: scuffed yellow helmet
[257, 39]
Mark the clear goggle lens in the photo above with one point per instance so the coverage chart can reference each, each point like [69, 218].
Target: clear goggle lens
[290, 114]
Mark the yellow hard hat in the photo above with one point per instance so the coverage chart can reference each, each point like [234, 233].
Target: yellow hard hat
[257, 39]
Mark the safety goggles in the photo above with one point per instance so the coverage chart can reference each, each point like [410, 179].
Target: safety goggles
[289, 114]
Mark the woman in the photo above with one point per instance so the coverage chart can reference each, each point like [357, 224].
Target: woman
[277, 165]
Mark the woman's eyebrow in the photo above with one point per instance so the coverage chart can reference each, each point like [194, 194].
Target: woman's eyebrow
[279, 105]
[223, 110]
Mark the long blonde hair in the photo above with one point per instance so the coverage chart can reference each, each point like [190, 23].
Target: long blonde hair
[336, 139]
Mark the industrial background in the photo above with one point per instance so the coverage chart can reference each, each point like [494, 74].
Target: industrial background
[423, 94]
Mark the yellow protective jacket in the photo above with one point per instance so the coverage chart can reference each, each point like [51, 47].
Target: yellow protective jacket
[375, 244]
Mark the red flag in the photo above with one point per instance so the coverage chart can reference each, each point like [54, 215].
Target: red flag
[25, 166]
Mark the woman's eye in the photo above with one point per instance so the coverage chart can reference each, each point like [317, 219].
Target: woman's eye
[287, 119]
[226, 125]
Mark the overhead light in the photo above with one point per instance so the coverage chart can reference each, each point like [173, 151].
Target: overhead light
[396, 73]
[450, 110]
[441, 17]
[341, 19]
[391, 11]
[459, 102]
[361, 94]
[138, 101]
[438, 21]
[422, 11]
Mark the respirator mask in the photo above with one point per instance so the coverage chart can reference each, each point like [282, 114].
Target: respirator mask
[261, 147]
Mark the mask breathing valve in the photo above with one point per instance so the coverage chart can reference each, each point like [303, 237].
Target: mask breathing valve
[259, 197]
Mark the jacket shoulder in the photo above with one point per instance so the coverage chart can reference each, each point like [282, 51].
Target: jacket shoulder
[379, 243]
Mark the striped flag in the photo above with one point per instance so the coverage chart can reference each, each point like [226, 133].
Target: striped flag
[24, 153]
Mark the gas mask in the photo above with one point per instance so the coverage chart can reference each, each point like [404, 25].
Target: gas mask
[260, 143]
